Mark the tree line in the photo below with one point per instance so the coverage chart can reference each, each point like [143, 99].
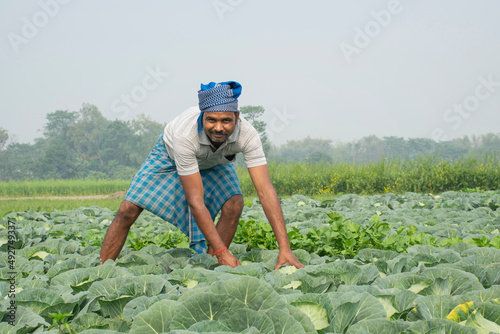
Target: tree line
[372, 149]
[85, 145]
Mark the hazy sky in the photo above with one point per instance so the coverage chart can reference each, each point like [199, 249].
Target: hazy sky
[336, 70]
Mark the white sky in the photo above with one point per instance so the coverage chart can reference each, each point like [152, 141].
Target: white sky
[407, 79]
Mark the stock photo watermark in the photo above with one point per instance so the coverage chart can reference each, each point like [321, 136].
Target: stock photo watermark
[151, 81]
[12, 271]
[455, 116]
[279, 121]
[32, 26]
[224, 6]
[363, 36]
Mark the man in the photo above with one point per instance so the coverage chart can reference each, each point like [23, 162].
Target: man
[188, 178]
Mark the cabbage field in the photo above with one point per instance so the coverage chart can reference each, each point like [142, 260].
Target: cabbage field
[383, 264]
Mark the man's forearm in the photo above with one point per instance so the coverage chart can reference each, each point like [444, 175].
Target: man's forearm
[274, 214]
[206, 226]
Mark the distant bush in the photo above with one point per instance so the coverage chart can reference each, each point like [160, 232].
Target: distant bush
[423, 174]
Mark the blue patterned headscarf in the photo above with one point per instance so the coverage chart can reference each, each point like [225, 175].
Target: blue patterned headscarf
[218, 97]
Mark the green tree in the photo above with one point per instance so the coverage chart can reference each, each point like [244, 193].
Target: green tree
[341, 152]
[114, 145]
[146, 133]
[58, 159]
[253, 115]
[58, 123]
[420, 146]
[317, 157]
[464, 143]
[299, 150]
[450, 150]
[395, 147]
[17, 162]
[88, 133]
[490, 143]
[371, 149]
[4, 136]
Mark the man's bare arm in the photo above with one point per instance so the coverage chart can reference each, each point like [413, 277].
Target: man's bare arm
[274, 213]
[193, 189]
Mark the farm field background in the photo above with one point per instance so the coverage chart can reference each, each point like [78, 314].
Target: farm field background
[320, 181]
[389, 247]
[391, 263]
[379, 137]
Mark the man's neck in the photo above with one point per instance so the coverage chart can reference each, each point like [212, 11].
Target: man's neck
[216, 145]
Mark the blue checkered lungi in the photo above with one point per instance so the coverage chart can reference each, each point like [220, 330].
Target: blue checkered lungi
[158, 189]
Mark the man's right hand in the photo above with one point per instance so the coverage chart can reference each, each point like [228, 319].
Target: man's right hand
[225, 258]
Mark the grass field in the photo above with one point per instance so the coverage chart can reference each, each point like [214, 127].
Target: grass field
[7, 206]
[389, 263]
[49, 205]
[422, 175]
[319, 181]
[61, 187]
[425, 174]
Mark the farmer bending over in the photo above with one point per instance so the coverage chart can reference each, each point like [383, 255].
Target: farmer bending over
[189, 177]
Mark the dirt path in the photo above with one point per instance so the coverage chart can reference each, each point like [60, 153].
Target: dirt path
[120, 194]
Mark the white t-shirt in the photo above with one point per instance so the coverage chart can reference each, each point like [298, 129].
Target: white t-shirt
[192, 151]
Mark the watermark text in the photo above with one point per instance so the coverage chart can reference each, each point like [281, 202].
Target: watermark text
[11, 253]
[127, 101]
[225, 6]
[31, 26]
[455, 116]
[363, 36]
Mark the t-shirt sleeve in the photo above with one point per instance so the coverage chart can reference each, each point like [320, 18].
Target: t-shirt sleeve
[253, 152]
[185, 157]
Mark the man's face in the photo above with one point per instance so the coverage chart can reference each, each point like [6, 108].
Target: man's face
[219, 125]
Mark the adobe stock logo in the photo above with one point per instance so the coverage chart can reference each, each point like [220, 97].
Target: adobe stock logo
[222, 7]
[279, 122]
[138, 93]
[456, 115]
[363, 37]
[31, 27]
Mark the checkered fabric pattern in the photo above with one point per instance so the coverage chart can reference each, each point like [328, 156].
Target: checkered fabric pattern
[219, 96]
[158, 189]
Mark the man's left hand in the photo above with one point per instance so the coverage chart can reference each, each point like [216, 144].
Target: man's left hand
[287, 257]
